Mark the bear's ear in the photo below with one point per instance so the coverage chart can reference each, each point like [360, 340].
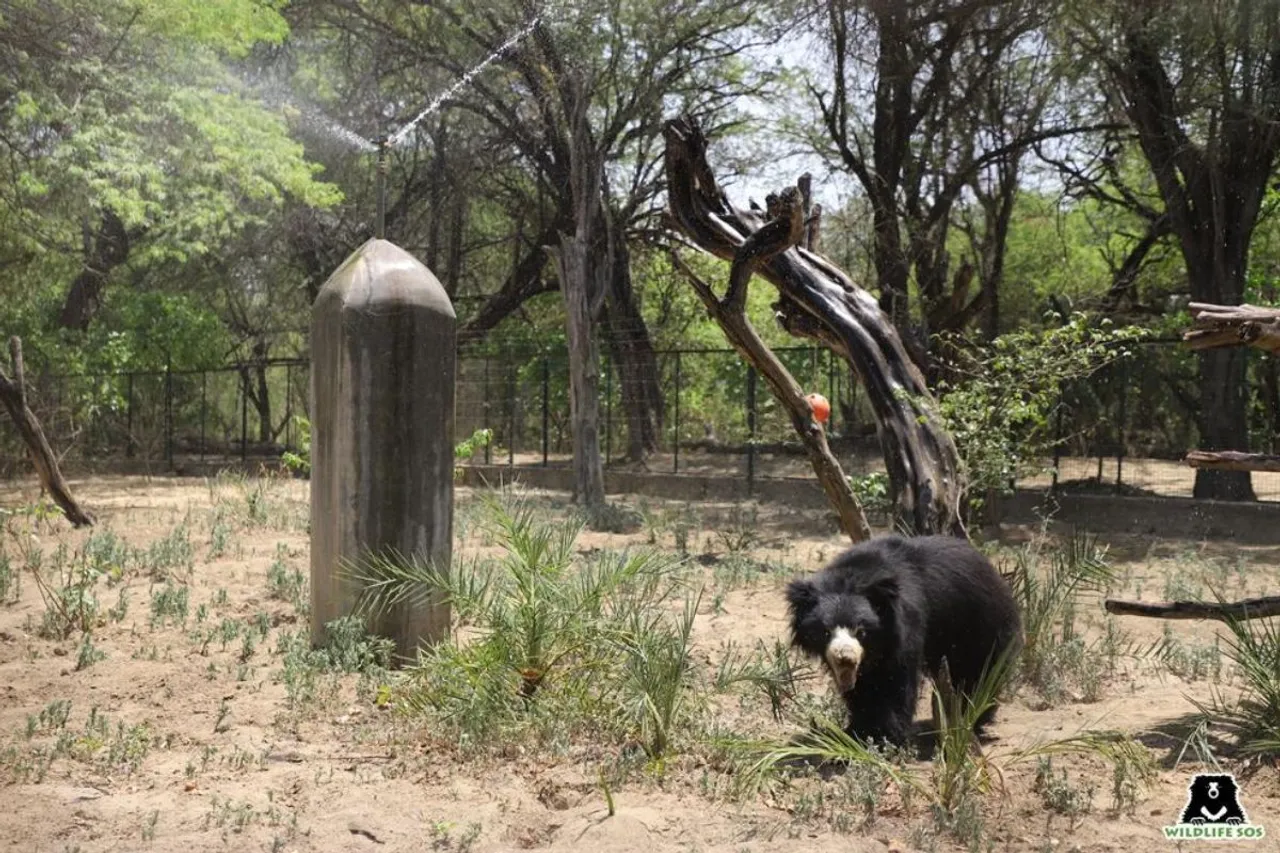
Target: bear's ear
[883, 595]
[802, 596]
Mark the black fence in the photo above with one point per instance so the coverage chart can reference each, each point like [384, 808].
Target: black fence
[1124, 430]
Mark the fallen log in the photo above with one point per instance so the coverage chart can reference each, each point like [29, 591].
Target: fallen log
[1232, 460]
[1232, 325]
[1250, 608]
[13, 393]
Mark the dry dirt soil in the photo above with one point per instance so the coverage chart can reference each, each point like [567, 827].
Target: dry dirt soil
[178, 735]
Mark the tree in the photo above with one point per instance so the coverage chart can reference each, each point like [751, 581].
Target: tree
[1200, 87]
[130, 141]
[579, 101]
[958, 92]
[817, 300]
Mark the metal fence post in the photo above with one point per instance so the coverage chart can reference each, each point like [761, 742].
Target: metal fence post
[546, 400]
[131, 447]
[488, 445]
[168, 413]
[288, 407]
[511, 415]
[1057, 439]
[608, 411]
[751, 429]
[675, 442]
[1120, 427]
[244, 415]
[204, 397]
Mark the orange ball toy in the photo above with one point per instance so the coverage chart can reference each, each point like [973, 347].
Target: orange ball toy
[821, 408]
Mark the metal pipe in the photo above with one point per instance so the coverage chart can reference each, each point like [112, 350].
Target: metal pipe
[384, 145]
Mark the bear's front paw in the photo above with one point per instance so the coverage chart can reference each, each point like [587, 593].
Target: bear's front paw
[1234, 821]
[1197, 820]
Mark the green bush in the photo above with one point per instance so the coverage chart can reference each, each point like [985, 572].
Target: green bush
[1000, 398]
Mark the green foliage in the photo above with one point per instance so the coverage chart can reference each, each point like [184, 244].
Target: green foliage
[557, 646]
[959, 772]
[1253, 716]
[127, 125]
[1048, 579]
[872, 491]
[300, 462]
[999, 402]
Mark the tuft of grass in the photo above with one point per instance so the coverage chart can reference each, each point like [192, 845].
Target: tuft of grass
[1059, 794]
[1188, 660]
[169, 604]
[88, 654]
[10, 579]
[613, 518]
[1254, 716]
[287, 584]
[770, 670]
[558, 643]
[1048, 581]
[960, 771]
[172, 553]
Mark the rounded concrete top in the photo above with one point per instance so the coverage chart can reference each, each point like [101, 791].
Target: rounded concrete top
[380, 273]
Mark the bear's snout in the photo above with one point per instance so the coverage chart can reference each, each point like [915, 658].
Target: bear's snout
[844, 656]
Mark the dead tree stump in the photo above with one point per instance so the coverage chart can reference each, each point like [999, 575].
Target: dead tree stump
[13, 393]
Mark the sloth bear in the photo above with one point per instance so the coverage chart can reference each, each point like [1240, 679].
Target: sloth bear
[1213, 798]
[891, 606]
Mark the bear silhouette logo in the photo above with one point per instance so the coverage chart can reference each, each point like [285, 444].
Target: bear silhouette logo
[1213, 811]
[1213, 799]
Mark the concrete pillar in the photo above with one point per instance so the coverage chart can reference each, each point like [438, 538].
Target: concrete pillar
[382, 395]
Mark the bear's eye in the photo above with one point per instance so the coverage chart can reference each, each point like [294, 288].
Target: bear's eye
[858, 633]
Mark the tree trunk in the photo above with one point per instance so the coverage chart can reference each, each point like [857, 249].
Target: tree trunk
[1223, 424]
[525, 282]
[583, 264]
[104, 250]
[819, 301]
[579, 281]
[253, 379]
[632, 352]
[13, 393]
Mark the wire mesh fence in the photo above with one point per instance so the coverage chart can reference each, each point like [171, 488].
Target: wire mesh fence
[1125, 429]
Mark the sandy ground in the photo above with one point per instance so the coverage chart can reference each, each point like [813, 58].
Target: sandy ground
[184, 744]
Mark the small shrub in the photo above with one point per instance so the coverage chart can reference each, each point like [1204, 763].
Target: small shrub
[169, 604]
[171, 552]
[1254, 716]
[557, 643]
[1047, 581]
[999, 400]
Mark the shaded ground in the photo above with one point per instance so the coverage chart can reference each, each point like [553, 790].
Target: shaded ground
[183, 737]
[1156, 476]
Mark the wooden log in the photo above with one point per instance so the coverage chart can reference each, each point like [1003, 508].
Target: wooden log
[730, 315]
[820, 301]
[1232, 460]
[13, 393]
[1233, 325]
[1250, 608]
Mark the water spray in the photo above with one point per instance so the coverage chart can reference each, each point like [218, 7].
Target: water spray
[383, 145]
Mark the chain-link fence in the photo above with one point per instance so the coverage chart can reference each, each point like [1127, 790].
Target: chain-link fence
[165, 419]
[1124, 430]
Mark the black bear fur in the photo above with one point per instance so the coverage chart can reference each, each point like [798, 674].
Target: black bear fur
[1218, 795]
[911, 602]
